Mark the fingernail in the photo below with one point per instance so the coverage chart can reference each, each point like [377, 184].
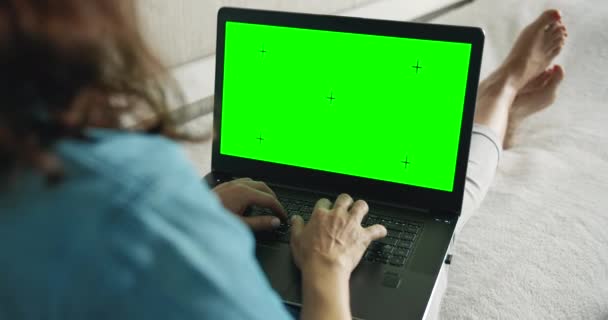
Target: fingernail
[275, 222]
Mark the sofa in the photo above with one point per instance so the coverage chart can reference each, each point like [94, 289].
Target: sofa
[537, 248]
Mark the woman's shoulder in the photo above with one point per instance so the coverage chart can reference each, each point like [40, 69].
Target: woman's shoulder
[139, 172]
[133, 212]
[170, 233]
[143, 174]
[157, 196]
[122, 154]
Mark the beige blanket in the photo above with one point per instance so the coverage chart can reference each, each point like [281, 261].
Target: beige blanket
[538, 246]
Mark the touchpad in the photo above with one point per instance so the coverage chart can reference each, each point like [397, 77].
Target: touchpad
[274, 260]
[391, 280]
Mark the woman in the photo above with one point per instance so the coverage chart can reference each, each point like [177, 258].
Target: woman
[99, 222]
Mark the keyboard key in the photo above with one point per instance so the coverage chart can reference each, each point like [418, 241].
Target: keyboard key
[397, 261]
[387, 240]
[401, 252]
[370, 258]
[393, 249]
[376, 246]
[407, 236]
[393, 226]
[383, 248]
[371, 221]
[393, 233]
[404, 244]
[382, 260]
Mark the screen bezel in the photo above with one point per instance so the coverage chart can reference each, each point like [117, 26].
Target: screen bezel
[435, 200]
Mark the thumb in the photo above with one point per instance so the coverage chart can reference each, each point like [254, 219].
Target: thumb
[376, 232]
[262, 223]
[297, 225]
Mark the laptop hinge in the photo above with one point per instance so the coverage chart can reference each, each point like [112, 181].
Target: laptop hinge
[327, 193]
[445, 216]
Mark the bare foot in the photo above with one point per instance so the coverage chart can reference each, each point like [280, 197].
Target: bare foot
[538, 94]
[537, 45]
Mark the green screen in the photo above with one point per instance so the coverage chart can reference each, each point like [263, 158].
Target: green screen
[378, 107]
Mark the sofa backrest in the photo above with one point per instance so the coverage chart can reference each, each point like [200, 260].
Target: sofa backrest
[184, 30]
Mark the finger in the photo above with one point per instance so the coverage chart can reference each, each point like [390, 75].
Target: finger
[231, 183]
[221, 186]
[343, 201]
[297, 225]
[359, 210]
[262, 223]
[376, 232]
[262, 199]
[261, 186]
[322, 204]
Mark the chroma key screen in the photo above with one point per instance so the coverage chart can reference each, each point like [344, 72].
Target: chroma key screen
[377, 107]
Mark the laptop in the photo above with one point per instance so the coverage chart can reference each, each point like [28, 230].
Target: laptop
[319, 105]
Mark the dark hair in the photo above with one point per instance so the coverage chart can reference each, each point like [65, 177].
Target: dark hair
[68, 65]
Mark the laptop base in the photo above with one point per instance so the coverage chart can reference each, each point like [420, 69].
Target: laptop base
[378, 291]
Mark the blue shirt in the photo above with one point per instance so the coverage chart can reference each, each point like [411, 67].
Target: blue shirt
[131, 233]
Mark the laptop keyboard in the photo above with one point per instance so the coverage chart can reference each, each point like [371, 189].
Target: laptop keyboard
[394, 249]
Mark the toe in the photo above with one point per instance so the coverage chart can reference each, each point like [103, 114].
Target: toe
[550, 46]
[549, 16]
[537, 83]
[557, 75]
[554, 27]
[557, 42]
[559, 30]
[557, 38]
[559, 33]
[557, 45]
[554, 81]
[553, 53]
[541, 79]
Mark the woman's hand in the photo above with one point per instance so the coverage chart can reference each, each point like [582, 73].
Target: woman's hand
[238, 195]
[327, 250]
[333, 239]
